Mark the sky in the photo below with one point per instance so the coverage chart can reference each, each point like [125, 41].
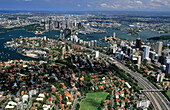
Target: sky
[85, 5]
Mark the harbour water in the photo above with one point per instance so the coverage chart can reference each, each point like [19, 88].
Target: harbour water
[11, 54]
[121, 34]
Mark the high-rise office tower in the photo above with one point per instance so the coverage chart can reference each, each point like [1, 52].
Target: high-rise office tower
[168, 68]
[139, 60]
[138, 43]
[92, 43]
[45, 38]
[64, 50]
[97, 54]
[128, 52]
[114, 48]
[58, 24]
[160, 77]
[146, 52]
[152, 55]
[95, 42]
[158, 48]
[114, 35]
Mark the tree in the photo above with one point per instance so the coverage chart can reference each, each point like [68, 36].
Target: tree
[77, 106]
[102, 103]
[65, 106]
[115, 106]
[99, 108]
[40, 108]
[70, 107]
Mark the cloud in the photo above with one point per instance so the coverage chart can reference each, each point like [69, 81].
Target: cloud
[155, 0]
[129, 6]
[27, 0]
[155, 5]
[105, 5]
[134, 4]
[165, 3]
[88, 5]
[139, 2]
[78, 5]
[162, 5]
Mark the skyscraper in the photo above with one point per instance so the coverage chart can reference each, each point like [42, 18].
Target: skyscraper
[152, 55]
[64, 50]
[160, 77]
[158, 47]
[138, 43]
[146, 52]
[139, 60]
[114, 48]
[45, 38]
[168, 68]
[97, 54]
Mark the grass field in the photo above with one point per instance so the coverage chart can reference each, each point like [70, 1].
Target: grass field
[93, 100]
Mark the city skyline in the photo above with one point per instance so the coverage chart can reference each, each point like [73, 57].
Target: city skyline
[86, 5]
[83, 60]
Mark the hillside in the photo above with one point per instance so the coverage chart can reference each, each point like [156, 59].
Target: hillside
[163, 37]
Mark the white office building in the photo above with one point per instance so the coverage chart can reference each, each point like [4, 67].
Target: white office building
[158, 49]
[146, 52]
[143, 104]
[97, 54]
[160, 77]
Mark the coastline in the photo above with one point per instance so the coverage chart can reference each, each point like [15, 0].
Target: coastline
[17, 29]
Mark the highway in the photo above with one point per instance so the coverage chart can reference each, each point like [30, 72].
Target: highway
[158, 100]
[157, 103]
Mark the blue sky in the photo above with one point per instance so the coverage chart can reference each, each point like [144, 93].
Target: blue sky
[86, 5]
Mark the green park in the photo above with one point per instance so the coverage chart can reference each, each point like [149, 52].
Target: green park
[93, 100]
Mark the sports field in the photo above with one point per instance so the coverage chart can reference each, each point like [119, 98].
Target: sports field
[93, 100]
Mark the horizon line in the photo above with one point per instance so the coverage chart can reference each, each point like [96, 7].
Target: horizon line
[89, 10]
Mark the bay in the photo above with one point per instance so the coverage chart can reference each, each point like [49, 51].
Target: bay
[10, 54]
[120, 34]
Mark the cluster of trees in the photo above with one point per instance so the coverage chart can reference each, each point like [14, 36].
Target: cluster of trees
[130, 79]
[163, 37]
[151, 78]
[102, 103]
[150, 68]
[30, 28]
[130, 65]
[77, 106]
[68, 63]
